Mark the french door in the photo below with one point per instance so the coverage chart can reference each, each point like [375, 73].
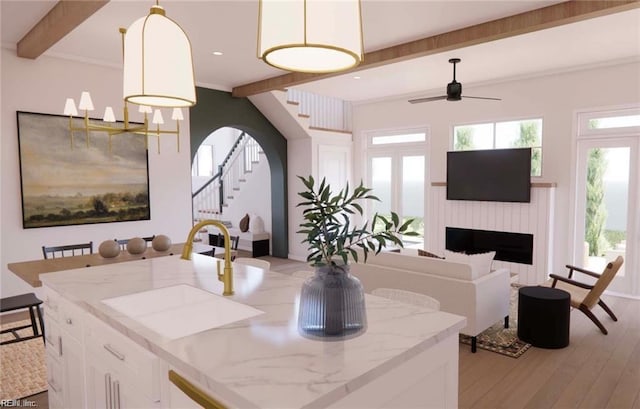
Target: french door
[607, 216]
[398, 180]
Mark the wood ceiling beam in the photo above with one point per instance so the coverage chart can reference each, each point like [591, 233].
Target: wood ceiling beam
[65, 16]
[547, 17]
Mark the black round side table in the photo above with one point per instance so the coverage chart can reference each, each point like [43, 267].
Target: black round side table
[543, 316]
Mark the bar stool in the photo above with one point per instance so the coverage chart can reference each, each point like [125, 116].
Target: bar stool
[18, 302]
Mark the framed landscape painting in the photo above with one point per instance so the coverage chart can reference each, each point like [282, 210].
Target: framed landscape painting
[65, 182]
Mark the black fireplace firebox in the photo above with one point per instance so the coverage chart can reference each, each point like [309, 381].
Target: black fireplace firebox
[513, 247]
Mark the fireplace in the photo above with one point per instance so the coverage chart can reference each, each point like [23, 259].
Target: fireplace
[513, 247]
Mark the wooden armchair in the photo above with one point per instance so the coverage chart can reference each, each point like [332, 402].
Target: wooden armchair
[585, 296]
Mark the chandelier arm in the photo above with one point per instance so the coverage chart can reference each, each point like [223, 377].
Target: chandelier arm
[86, 126]
[71, 130]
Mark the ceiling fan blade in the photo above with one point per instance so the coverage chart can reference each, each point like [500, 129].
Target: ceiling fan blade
[427, 99]
[493, 99]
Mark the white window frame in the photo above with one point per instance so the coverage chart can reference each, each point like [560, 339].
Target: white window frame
[494, 123]
[584, 132]
[395, 151]
[195, 167]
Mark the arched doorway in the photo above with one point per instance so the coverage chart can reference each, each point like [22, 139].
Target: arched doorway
[230, 179]
[218, 109]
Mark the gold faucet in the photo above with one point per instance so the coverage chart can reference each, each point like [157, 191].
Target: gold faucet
[227, 276]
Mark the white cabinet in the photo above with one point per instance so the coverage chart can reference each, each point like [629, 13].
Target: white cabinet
[109, 388]
[65, 357]
[91, 365]
[119, 373]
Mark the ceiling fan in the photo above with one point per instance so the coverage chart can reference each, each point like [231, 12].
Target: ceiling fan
[454, 90]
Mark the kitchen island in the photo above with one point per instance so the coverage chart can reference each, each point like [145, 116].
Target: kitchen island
[408, 355]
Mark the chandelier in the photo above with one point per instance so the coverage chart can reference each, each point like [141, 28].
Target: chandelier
[157, 73]
[315, 36]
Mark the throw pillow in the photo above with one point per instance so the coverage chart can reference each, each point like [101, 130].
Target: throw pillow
[256, 225]
[244, 223]
[480, 263]
[425, 253]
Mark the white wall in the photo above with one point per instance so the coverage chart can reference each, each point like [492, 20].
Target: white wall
[313, 156]
[42, 86]
[554, 98]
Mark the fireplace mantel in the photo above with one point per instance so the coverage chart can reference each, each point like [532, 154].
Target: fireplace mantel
[533, 184]
[535, 217]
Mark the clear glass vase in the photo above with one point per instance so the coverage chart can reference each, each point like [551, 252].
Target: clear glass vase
[332, 304]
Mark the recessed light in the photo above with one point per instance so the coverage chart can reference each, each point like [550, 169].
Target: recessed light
[356, 77]
[217, 53]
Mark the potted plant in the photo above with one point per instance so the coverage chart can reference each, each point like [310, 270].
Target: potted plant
[332, 301]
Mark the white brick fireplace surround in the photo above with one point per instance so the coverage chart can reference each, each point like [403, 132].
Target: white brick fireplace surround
[534, 218]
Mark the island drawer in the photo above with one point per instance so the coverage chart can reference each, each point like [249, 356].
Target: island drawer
[51, 303]
[64, 312]
[130, 361]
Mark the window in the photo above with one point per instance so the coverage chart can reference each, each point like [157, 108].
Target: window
[501, 135]
[402, 138]
[203, 162]
[609, 122]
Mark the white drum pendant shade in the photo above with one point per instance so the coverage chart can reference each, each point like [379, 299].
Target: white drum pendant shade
[310, 35]
[158, 68]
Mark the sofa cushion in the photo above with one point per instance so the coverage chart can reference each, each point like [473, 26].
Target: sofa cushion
[408, 259]
[480, 263]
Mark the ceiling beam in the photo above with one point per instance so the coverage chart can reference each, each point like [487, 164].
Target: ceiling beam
[65, 16]
[547, 17]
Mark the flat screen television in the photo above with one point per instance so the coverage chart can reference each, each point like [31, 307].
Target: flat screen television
[495, 175]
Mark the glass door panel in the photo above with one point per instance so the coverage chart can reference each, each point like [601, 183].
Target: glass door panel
[607, 180]
[381, 183]
[412, 195]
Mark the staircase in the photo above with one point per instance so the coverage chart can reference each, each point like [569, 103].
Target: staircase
[217, 193]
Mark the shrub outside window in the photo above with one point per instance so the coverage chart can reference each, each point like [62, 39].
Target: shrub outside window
[525, 133]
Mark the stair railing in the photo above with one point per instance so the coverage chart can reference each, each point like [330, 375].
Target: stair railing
[210, 199]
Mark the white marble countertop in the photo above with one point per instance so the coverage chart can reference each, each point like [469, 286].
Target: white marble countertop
[262, 361]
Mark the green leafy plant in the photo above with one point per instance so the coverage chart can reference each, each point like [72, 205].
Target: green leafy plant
[329, 230]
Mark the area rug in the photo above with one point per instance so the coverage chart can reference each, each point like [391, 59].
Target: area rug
[23, 370]
[499, 339]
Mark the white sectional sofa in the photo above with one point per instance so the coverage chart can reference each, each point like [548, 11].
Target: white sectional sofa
[481, 297]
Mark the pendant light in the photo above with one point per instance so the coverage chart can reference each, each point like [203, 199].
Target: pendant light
[315, 36]
[158, 66]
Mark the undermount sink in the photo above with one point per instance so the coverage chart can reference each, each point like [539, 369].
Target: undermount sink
[180, 310]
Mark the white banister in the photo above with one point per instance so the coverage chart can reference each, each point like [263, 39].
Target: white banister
[324, 112]
[206, 204]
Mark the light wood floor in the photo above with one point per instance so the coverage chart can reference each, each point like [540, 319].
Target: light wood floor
[595, 371]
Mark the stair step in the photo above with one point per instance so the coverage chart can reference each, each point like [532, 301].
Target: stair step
[236, 188]
[242, 180]
[255, 161]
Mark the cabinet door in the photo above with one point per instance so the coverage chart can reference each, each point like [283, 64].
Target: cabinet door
[73, 367]
[98, 383]
[111, 386]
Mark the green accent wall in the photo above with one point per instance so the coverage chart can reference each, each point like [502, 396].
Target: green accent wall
[218, 109]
